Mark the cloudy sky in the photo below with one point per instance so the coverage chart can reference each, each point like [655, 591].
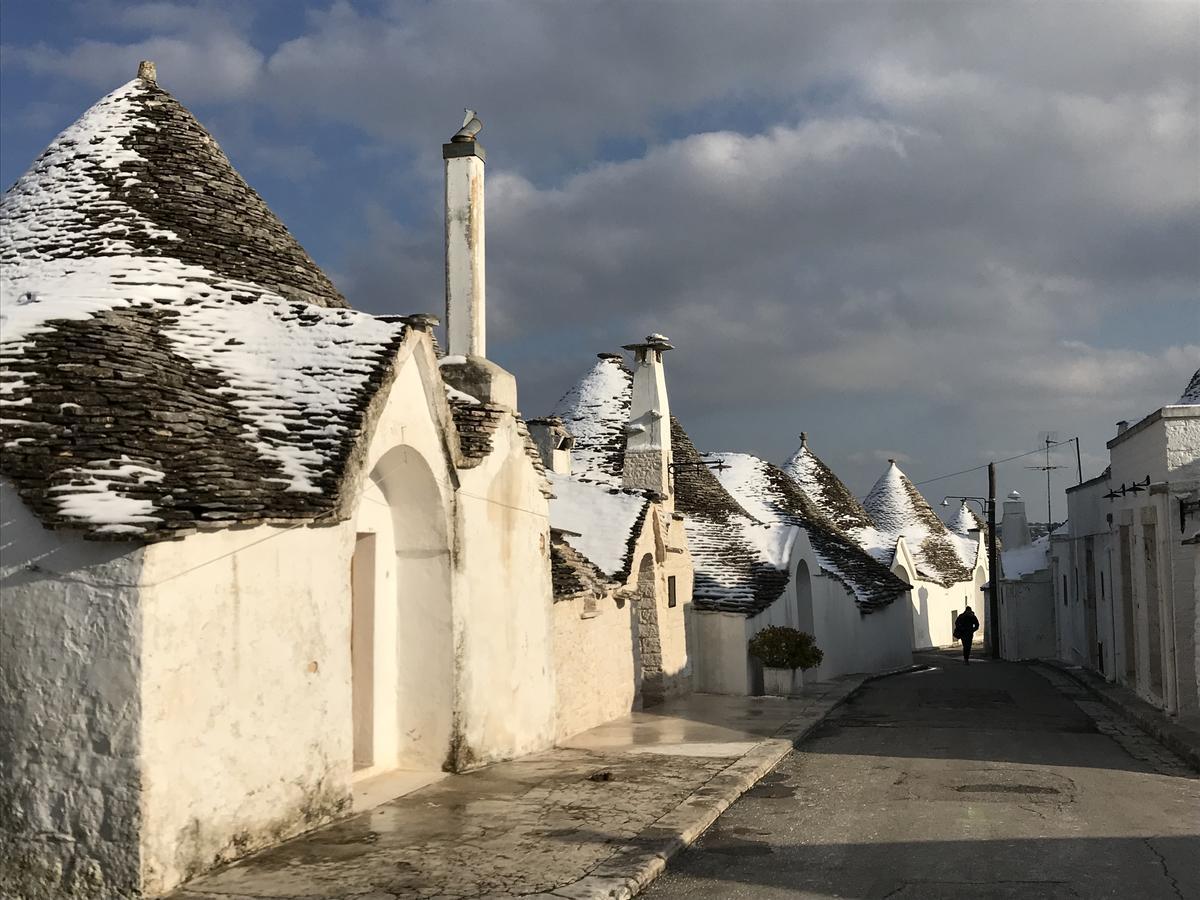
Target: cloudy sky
[921, 231]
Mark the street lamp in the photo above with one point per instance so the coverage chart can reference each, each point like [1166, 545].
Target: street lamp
[988, 507]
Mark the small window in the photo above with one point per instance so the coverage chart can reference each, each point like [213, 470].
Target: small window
[1064, 590]
[671, 599]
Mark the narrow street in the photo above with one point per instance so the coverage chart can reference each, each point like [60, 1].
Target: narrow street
[995, 780]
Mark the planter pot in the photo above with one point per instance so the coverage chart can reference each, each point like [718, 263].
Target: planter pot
[782, 682]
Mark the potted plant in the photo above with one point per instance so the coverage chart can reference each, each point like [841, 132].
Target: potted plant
[782, 651]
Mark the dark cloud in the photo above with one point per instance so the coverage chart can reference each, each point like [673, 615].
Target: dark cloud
[911, 229]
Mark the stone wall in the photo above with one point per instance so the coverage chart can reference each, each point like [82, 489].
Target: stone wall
[70, 640]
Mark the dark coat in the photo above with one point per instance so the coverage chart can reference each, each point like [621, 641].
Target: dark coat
[966, 625]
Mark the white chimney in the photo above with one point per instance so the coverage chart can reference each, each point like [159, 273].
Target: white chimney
[648, 433]
[466, 313]
[1014, 529]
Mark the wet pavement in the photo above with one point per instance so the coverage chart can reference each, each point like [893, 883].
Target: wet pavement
[996, 780]
[577, 821]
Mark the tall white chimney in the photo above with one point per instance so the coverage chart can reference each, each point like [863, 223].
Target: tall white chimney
[466, 313]
[1014, 529]
[648, 433]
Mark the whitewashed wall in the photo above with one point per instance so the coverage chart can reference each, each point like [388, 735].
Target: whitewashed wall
[595, 662]
[70, 639]
[1027, 617]
[503, 629]
[934, 606]
[675, 623]
[245, 693]
[722, 664]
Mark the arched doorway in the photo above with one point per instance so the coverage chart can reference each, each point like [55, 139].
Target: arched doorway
[401, 638]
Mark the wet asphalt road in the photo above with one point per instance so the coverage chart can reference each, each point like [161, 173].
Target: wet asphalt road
[987, 781]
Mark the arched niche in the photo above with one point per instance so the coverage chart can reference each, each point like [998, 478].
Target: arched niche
[402, 650]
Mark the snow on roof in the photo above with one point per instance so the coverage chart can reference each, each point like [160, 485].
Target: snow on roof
[170, 356]
[1022, 561]
[771, 496]
[899, 510]
[826, 490]
[740, 562]
[960, 528]
[596, 411]
[605, 521]
[1191, 393]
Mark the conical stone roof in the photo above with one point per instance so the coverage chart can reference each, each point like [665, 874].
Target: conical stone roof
[899, 510]
[596, 410]
[826, 490]
[171, 357]
[771, 496]
[1191, 393]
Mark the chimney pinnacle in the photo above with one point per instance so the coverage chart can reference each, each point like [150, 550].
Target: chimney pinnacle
[147, 71]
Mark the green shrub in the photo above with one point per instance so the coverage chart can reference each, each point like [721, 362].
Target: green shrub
[780, 647]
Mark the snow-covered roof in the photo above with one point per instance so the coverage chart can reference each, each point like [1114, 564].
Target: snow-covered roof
[899, 510]
[171, 357]
[740, 563]
[1191, 393]
[1022, 561]
[605, 521]
[826, 490]
[596, 411]
[771, 496]
[960, 527]
[590, 502]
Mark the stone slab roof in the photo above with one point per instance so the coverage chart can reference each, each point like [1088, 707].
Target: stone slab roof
[771, 496]
[899, 510]
[596, 411]
[826, 490]
[170, 357]
[1191, 393]
[738, 561]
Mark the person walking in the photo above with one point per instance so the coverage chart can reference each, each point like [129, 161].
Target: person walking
[965, 627]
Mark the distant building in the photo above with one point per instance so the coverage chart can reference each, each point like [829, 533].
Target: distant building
[896, 526]
[765, 555]
[1125, 573]
[1027, 614]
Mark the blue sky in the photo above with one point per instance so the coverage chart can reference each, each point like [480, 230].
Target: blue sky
[927, 231]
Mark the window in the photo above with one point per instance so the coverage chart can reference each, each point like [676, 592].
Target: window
[671, 599]
[1064, 590]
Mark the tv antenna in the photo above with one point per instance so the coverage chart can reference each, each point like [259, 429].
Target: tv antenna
[1049, 439]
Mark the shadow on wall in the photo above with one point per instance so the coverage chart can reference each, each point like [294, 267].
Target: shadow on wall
[922, 634]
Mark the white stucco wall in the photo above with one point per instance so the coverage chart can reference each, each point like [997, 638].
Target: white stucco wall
[674, 624]
[934, 606]
[1027, 617]
[245, 693]
[70, 638]
[503, 627]
[721, 661]
[595, 662]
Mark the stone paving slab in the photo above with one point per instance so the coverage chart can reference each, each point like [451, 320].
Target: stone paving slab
[1182, 740]
[596, 819]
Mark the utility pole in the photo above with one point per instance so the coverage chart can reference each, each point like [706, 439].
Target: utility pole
[993, 613]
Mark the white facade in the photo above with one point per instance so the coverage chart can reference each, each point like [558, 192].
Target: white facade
[630, 646]
[230, 687]
[1125, 575]
[815, 602]
[935, 606]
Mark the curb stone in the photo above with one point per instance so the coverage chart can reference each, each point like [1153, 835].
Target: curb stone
[635, 865]
[1149, 719]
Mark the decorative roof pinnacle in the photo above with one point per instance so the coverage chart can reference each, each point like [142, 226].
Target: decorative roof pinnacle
[148, 71]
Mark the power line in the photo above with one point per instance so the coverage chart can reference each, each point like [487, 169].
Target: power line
[985, 465]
